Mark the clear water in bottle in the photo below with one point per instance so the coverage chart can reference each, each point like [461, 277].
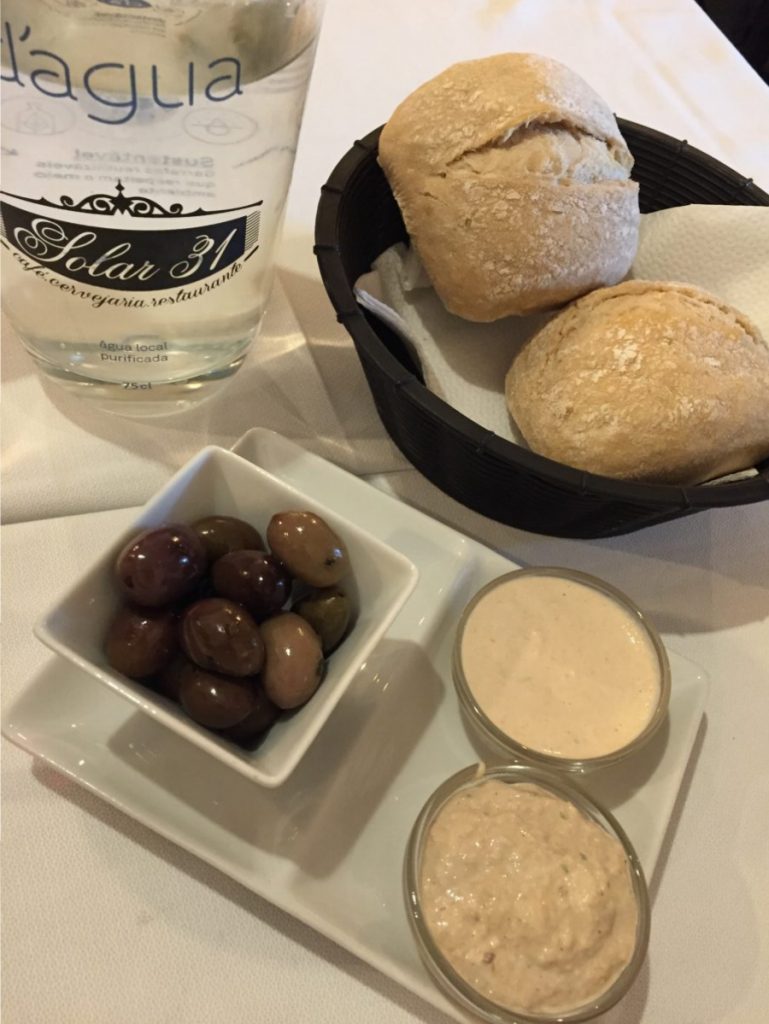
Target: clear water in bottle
[147, 152]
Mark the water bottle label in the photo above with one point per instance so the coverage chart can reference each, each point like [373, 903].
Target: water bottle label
[166, 248]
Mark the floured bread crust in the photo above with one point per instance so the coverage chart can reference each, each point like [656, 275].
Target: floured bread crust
[651, 381]
[513, 180]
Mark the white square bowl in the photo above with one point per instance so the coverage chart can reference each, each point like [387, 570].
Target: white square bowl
[219, 482]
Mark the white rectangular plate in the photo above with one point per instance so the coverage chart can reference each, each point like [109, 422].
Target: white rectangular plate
[327, 846]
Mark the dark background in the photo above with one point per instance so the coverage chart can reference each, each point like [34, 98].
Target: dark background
[746, 24]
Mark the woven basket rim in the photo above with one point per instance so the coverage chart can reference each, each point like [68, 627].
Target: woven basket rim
[675, 498]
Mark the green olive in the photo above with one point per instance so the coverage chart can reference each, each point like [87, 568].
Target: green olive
[293, 660]
[327, 609]
[308, 548]
[222, 534]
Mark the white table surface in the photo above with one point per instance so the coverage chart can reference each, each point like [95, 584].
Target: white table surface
[104, 922]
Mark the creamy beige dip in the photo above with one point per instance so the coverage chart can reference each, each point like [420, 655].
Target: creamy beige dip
[530, 901]
[560, 667]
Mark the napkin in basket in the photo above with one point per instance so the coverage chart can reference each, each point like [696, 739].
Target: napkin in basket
[723, 249]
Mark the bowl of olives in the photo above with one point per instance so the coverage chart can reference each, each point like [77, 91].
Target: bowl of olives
[235, 611]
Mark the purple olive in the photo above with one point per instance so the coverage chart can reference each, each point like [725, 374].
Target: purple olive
[161, 566]
[141, 641]
[253, 579]
[169, 680]
[214, 700]
[257, 723]
[221, 636]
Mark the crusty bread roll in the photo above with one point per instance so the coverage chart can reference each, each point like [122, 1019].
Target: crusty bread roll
[650, 381]
[513, 180]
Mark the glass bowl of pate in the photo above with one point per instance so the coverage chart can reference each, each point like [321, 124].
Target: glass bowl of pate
[557, 668]
[526, 899]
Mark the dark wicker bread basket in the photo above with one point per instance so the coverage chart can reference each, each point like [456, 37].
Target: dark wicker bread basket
[358, 219]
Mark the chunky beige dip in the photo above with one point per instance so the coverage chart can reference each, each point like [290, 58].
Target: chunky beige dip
[560, 666]
[530, 901]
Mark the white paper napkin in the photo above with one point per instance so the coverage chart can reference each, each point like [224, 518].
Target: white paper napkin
[723, 249]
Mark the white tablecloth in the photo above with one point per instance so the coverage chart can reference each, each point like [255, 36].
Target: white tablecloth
[105, 923]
